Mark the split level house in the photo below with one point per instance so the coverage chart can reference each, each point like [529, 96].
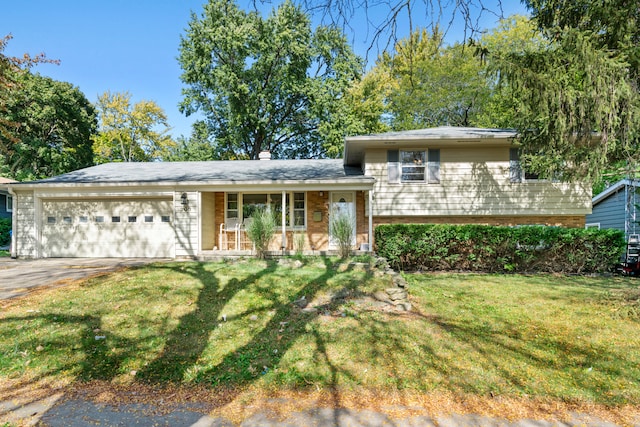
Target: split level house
[191, 209]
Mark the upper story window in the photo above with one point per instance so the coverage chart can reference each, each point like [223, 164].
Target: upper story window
[414, 166]
[516, 172]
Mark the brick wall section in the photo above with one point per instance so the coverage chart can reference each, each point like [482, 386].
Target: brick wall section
[362, 221]
[569, 221]
[219, 216]
[317, 231]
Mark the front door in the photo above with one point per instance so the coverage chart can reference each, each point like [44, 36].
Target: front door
[342, 203]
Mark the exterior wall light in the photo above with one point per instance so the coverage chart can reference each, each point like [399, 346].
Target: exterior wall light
[184, 200]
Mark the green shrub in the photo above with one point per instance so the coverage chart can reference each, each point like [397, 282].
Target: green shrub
[5, 228]
[298, 242]
[260, 231]
[341, 227]
[498, 249]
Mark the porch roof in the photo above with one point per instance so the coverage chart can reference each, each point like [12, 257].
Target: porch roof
[249, 172]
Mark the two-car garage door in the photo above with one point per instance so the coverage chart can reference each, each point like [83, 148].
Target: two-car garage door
[108, 228]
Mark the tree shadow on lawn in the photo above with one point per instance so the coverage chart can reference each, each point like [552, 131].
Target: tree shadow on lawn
[267, 344]
[506, 356]
[187, 341]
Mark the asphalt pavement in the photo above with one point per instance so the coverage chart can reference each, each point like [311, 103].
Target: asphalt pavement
[18, 277]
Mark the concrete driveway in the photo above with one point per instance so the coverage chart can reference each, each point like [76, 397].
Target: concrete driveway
[19, 276]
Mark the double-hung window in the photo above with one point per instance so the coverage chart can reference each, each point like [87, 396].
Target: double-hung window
[414, 166]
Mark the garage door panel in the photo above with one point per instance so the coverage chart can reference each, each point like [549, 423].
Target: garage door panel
[87, 229]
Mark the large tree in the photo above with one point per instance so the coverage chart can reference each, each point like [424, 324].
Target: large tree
[424, 83]
[50, 128]
[268, 84]
[130, 132]
[432, 84]
[11, 68]
[576, 93]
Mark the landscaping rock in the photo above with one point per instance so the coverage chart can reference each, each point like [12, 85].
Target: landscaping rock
[403, 306]
[396, 294]
[302, 302]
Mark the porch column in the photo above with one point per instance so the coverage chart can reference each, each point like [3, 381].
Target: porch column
[284, 220]
[370, 220]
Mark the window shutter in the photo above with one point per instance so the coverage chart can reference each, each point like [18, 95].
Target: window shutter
[434, 166]
[393, 166]
[515, 168]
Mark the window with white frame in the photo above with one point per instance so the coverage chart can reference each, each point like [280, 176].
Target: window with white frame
[414, 166]
[9, 204]
[516, 171]
[241, 206]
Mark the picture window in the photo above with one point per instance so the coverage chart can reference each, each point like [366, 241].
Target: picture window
[241, 206]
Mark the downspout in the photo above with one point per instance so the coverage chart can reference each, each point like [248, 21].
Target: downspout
[370, 220]
[284, 221]
[14, 223]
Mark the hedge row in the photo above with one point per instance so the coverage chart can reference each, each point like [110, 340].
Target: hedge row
[5, 227]
[498, 249]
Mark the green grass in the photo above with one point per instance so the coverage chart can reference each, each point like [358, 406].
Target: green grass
[5, 253]
[569, 338]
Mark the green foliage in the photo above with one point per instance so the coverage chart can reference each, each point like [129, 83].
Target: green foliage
[260, 229]
[10, 68]
[196, 147]
[299, 239]
[5, 228]
[499, 249]
[128, 132]
[576, 92]
[342, 229]
[268, 83]
[425, 83]
[53, 123]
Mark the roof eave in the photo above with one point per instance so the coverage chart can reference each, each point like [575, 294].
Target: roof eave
[364, 181]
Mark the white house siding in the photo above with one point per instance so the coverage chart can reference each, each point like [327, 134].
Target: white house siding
[186, 224]
[473, 181]
[107, 228]
[25, 226]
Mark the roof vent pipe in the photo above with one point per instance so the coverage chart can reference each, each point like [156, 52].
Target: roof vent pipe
[264, 155]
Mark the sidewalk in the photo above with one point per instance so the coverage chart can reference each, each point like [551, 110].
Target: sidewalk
[79, 413]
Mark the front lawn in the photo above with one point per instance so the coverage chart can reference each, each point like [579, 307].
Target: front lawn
[289, 327]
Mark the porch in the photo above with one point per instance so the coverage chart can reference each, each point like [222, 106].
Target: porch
[303, 221]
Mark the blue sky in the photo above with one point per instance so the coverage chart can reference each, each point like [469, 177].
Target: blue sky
[132, 45]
